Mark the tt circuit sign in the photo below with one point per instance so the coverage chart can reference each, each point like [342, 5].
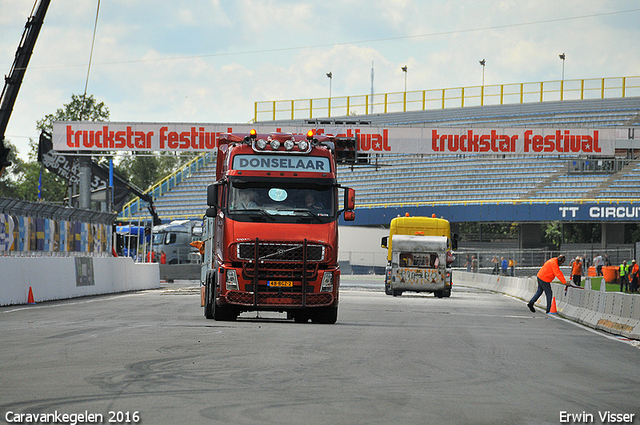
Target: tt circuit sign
[524, 212]
[172, 137]
[618, 212]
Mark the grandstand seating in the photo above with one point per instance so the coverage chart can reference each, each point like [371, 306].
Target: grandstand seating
[406, 179]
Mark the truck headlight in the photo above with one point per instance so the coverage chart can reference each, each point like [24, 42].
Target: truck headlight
[327, 282]
[232, 279]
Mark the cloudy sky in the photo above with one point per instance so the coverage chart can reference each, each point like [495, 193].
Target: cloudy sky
[208, 61]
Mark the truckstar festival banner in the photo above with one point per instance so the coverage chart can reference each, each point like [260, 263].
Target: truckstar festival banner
[171, 137]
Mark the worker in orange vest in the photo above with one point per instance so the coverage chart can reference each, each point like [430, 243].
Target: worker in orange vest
[163, 257]
[548, 271]
[576, 271]
[634, 276]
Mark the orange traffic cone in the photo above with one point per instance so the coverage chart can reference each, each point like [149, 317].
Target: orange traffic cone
[553, 307]
[30, 299]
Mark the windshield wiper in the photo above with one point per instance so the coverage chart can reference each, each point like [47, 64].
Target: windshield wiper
[309, 213]
[255, 210]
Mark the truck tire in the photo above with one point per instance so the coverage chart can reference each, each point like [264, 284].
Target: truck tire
[222, 313]
[438, 294]
[396, 292]
[208, 297]
[387, 289]
[447, 292]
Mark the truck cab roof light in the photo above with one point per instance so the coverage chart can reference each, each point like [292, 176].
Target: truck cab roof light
[310, 135]
[275, 144]
[253, 133]
[261, 144]
[289, 144]
[303, 145]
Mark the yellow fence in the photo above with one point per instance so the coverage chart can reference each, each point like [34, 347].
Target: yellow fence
[420, 100]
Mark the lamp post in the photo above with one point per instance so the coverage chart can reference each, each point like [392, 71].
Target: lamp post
[483, 63]
[404, 107]
[405, 69]
[562, 57]
[330, 76]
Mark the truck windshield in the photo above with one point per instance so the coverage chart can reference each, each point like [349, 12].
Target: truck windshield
[162, 238]
[282, 199]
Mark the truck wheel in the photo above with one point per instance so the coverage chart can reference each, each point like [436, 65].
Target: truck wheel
[387, 289]
[438, 294]
[222, 313]
[447, 292]
[208, 298]
[326, 315]
[396, 292]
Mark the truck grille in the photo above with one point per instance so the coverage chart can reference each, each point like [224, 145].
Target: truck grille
[282, 299]
[280, 252]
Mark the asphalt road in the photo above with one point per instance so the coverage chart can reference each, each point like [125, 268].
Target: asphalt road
[474, 358]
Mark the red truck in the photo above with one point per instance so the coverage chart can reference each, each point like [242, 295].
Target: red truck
[271, 229]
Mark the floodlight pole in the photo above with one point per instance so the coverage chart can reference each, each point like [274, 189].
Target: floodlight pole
[483, 62]
[562, 57]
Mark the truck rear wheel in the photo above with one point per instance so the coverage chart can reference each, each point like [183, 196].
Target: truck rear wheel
[208, 303]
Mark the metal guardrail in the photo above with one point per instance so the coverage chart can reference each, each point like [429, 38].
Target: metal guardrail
[167, 183]
[35, 229]
[421, 100]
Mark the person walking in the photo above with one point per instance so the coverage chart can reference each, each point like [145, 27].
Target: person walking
[624, 271]
[598, 263]
[504, 264]
[474, 264]
[576, 271]
[634, 275]
[549, 270]
[496, 266]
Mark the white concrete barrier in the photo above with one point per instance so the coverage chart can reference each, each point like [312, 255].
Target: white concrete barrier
[614, 312]
[56, 278]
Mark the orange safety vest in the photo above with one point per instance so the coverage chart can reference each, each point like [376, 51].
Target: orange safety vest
[577, 268]
[634, 272]
[551, 269]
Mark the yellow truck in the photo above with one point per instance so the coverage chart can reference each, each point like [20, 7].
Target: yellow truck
[419, 255]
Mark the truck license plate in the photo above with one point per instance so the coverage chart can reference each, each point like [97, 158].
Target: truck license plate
[280, 283]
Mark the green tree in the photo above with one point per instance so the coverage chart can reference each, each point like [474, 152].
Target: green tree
[553, 235]
[11, 177]
[147, 169]
[81, 108]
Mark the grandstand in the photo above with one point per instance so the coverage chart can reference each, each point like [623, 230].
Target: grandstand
[407, 179]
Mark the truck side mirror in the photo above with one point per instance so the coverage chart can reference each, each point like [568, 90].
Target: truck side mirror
[349, 215]
[211, 212]
[384, 242]
[212, 196]
[349, 198]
